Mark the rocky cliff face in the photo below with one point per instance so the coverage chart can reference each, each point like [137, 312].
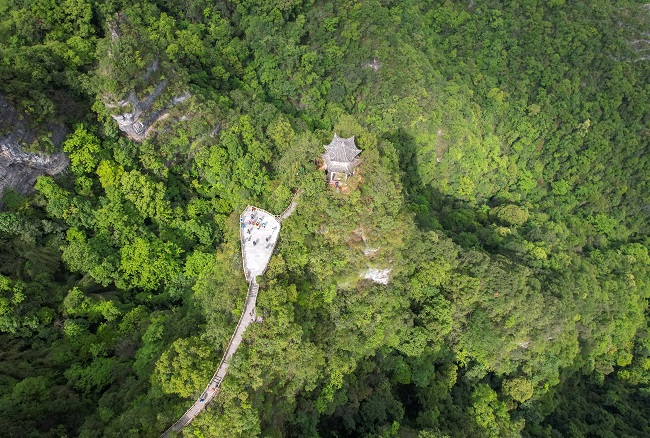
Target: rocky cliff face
[146, 96]
[139, 116]
[20, 169]
[137, 122]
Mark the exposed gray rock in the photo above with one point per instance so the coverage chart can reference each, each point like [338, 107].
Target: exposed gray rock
[368, 251]
[141, 97]
[138, 118]
[380, 276]
[20, 169]
[375, 65]
[635, 26]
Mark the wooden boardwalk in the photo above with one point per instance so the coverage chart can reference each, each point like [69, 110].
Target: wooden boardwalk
[255, 260]
[247, 317]
[292, 206]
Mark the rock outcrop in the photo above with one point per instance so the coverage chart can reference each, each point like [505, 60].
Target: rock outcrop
[381, 276]
[146, 96]
[634, 23]
[137, 122]
[20, 169]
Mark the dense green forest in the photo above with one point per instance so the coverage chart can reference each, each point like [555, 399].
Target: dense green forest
[505, 180]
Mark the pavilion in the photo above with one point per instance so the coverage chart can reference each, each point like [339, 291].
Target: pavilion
[340, 158]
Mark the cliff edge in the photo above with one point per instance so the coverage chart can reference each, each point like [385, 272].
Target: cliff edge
[20, 169]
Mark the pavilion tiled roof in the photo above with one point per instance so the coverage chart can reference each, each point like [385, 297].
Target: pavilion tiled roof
[342, 150]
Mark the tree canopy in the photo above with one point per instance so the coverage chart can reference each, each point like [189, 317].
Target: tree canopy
[504, 182]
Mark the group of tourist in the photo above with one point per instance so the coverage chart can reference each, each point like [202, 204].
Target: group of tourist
[256, 222]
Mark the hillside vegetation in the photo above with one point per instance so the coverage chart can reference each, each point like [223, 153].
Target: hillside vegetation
[505, 181]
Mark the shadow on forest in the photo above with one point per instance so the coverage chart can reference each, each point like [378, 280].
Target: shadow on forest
[467, 224]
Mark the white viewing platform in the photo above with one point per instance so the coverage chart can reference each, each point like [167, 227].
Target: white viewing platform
[259, 231]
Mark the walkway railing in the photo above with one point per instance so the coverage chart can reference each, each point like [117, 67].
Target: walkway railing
[253, 288]
[290, 208]
[251, 298]
[207, 395]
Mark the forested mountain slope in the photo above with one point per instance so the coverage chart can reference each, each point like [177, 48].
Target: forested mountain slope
[504, 180]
